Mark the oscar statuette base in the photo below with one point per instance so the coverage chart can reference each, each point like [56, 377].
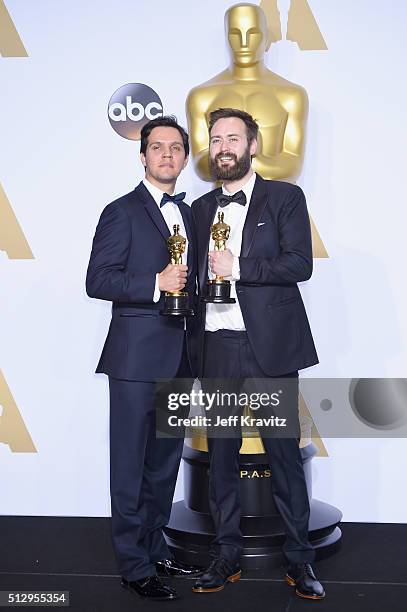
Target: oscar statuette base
[176, 305]
[218, 292]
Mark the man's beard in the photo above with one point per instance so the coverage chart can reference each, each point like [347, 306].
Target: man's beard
[233, 172]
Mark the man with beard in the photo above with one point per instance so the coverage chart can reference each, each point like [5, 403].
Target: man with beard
[264, 334]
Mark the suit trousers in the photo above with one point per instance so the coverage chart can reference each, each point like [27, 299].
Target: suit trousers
[143, 474]
[228, 355]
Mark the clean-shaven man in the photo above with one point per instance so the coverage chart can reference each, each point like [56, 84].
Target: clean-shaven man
[265, 334]
[129, 266]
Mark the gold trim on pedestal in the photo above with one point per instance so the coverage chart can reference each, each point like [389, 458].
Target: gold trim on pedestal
[250, 445]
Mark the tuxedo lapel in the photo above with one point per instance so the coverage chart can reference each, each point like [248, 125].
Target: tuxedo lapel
[153, 210]
[207, 212]
[190, 235]
[257, 204]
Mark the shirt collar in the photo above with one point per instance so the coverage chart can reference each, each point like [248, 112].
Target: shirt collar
[247, 188]
[155, 192]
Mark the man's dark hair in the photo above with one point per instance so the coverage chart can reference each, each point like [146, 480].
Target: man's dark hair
[165, 121]
[252, 127]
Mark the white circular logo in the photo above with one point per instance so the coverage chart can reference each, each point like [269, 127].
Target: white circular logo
[131, 107]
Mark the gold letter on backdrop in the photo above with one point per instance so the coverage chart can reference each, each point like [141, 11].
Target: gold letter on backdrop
[13, 431]
[11, 44]
[273, 19]
[302, 27]
[12, 239]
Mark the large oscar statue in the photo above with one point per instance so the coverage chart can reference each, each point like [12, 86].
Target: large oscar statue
[280, 108]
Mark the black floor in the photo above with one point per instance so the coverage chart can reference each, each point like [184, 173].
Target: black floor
[368, 574]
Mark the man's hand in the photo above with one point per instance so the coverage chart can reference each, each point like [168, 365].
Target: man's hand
[173, 277]
[221, 262]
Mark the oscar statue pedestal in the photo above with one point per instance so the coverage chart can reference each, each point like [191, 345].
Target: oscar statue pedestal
[190, 529]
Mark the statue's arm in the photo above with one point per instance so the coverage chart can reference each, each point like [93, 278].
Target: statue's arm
[196, 108]
[287, 164]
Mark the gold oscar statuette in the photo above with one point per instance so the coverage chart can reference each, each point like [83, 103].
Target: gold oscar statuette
[176, 302]
[218, 289]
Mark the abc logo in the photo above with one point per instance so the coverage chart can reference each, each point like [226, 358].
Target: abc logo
[131, 106]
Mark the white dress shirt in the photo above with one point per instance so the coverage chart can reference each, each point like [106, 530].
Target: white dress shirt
[172, 216]
[229, 316]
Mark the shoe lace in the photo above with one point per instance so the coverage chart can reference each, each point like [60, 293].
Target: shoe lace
[218, 564]
[307, 569]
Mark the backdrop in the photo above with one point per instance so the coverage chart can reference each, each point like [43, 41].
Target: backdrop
[61, 163]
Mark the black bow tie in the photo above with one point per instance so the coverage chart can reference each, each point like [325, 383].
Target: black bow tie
[224, 200]
[176, 198]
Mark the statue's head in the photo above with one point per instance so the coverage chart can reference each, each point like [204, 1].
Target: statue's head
[247, 32]
[176, 243]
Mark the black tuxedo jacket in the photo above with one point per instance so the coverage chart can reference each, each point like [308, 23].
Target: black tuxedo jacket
[129, 248]
[276, 254]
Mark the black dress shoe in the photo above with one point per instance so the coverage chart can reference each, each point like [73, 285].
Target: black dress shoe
[218, 574]
[172, 567]
[306, 584]
[150, 587]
